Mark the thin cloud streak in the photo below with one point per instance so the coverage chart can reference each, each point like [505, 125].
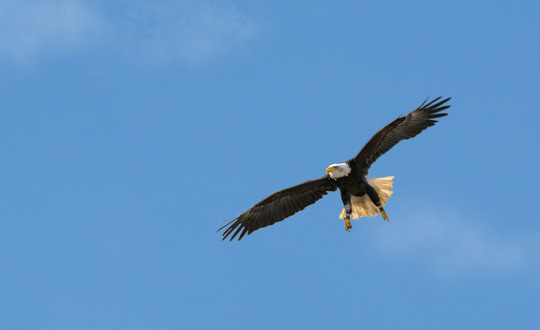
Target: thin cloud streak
[29, 29]
[452, 246]
[146, 33]
[187, 32]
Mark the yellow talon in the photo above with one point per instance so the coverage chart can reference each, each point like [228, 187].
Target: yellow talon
[348, 224]
[384, 216]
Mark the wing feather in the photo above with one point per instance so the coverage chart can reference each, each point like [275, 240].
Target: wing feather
[401, 128]
[278, 206]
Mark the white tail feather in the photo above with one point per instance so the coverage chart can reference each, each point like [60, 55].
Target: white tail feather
[363, 206]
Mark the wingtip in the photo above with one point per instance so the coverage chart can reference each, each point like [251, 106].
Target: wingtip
[435, 106]
[231, 227]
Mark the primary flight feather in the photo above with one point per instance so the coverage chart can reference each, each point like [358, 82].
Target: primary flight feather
[360, 196]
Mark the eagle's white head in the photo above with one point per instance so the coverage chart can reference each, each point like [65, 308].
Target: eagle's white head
[337, 171]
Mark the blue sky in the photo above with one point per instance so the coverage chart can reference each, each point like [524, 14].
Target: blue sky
[130, 129]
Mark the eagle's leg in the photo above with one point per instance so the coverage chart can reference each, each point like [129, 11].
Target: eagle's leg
[348, 224]
[383, 213]
[346, 198]
[376, 200]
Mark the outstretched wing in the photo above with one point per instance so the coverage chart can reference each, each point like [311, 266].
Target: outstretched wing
[278, 206]
[401, 128]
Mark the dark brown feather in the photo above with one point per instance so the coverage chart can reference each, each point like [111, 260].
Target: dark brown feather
[278, 206]
[401, 128]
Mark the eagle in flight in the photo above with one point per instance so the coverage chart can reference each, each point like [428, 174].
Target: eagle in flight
[360, 196]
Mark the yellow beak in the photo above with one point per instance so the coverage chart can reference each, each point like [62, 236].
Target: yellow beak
[329, 169]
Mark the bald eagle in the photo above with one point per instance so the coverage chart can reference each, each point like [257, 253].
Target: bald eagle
[360, 196]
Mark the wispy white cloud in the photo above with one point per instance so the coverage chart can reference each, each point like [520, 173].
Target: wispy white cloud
[153, 33]
[189, 32]
[32, 28]
[453, 246]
